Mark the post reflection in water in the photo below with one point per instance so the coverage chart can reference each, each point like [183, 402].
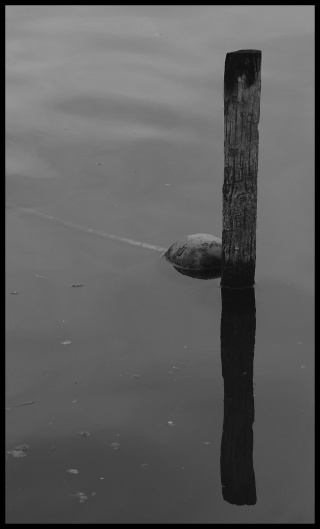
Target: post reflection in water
[238, 326]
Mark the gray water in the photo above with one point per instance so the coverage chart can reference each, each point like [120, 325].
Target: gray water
[114, 126]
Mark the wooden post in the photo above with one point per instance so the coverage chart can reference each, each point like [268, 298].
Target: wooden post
[238, 326]
[242, 87]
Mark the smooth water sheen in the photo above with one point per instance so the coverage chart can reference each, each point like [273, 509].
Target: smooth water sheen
[114, 127]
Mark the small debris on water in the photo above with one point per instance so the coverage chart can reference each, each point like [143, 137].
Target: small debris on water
[13, 292]
[18, 451]
[76, 285]
[72, 471]
[302, 366]
[82, 496]
[299, 343]
[175, 367]
[85, 434]
[206, 443]
[76, 400]
[171, 423]
[100, 163]
[115, 446]
[66, 342]
[23, 404]
[137, 376]
[144, 465]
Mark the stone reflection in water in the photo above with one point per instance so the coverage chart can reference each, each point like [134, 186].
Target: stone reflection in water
[238, 325]
[210, 273]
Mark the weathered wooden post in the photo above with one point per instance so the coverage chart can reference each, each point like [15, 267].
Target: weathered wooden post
[242, 88]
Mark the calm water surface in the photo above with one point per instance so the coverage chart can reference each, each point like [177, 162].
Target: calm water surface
[115, 123]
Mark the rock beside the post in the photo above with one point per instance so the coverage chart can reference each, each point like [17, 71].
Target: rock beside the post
[196, 255]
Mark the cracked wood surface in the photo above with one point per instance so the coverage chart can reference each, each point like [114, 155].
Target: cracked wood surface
[242, 87]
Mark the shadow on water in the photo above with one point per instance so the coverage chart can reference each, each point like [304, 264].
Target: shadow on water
[238, 326]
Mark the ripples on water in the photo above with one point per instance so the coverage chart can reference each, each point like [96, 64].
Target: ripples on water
[114, 123]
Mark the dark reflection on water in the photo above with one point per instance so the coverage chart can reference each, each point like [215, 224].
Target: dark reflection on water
[210, 273]
[238, 327]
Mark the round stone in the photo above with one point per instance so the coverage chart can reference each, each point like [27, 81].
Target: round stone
[196, 252]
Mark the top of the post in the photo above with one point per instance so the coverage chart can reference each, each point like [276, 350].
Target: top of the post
[241, 63]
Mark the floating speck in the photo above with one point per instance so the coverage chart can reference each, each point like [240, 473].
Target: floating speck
[206, 443]
[100, 163]
[144, 465]
[171, 423]
[82, 496]
[302, 366]
[23, 403]
[13, 292]
[18, 451]
[66, 342]
[85, 434]
[76, 400]
[137, 376]
[76, 285]
[72, 471]
[299, 343]
[175, 367]
[115, 446]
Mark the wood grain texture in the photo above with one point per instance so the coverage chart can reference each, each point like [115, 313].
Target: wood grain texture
[242, 88]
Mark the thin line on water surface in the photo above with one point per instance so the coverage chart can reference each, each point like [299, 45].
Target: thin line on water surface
[70, 224]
